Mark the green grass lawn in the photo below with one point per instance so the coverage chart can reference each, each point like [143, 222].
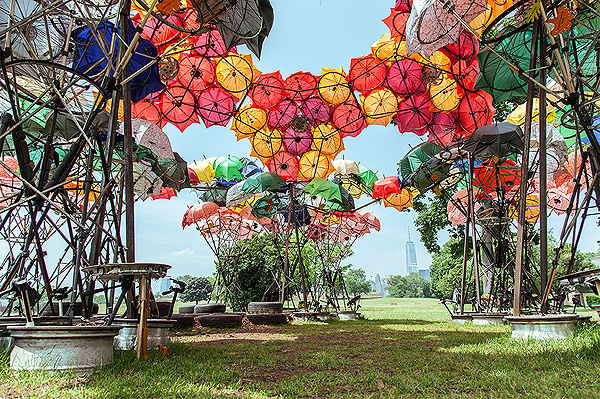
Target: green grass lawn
[409, 350]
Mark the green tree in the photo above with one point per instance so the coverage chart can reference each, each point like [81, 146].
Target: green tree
[446, 268]
[356, 282]
[196, 289]
[412, 286]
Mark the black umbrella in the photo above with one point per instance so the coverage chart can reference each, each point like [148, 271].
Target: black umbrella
[499, 139]
[251, 21]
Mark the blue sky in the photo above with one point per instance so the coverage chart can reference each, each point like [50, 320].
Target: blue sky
[307, 36]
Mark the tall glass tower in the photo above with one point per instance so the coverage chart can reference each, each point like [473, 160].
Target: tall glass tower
[411, 256]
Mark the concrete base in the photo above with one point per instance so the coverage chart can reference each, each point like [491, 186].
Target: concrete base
[542, 327]
[324, 316]
[347, 315]
[158, 333]
[461, 318]
[483, 319]
[60, 348]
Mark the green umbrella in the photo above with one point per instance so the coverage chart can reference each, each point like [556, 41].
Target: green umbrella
[216, 193]
[325, 188]
[267, 206]
[417, 156]
[228, 168]
[346, 203]
[367, 176]
[262, 182]
[430, 174]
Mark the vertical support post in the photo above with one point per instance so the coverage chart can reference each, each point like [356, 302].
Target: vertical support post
[142, 330]
[471, 202]
[463, 285]
[543, 170]
[521, 220]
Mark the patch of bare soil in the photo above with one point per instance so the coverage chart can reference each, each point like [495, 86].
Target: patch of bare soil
[248, 332]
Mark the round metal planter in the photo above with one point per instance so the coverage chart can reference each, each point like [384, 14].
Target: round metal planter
[158, 333]
[61, 348]
[542, 327]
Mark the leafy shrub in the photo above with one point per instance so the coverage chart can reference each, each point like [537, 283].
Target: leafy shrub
[592, 300]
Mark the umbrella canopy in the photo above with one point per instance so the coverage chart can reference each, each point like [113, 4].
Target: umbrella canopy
[414, 114]
[417, 156]
[253, 42]
[297, 142]
[405, 77]
[178, 105]
[263, 182]
[283, 114]
[267, 206]
[366, 73]
[400, 200]
[313, 165]
[442, 130]
[235, 73]
[248, 121]
[475, 110]
[285, 165]
[209, 44]
[433, 24]
[327, 140]
[315, 109]
[203, 170]
[236, 195]
[215, 107]
[152, 137]
[333, 86]
[345, 166]
[380, 106]
[367, 176]
[145, 182]
[216, 193]
[266, 143]
[385, 187]
[300, 86]
[228, 168]
[195, 72]
[396, 21]
[499, 139]
[348, 119]
[325, 188]
[267, 90]
[199, 212]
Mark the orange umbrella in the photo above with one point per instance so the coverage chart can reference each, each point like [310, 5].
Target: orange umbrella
[266, 143]
[400, 200]
[249, 121]
[333, 86]
[327, 140]
[444, 96]
[380, 106]
[235, 73]
[313, 165]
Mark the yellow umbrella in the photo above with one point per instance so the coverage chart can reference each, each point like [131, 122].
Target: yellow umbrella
[249, 121]
[532, 209]
[389, 49]
[266, 143]
[493, 11]
[333, 86]
[314, 164]
[380, 106]
[235, 73]
[327, 140]
[517, 117]
[330, 219]
[400, 200]
[444, 96]
[204, 170]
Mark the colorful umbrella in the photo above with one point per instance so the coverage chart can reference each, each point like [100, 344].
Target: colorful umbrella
[475, 110]
[215, 107]
[266, 143]
[235, 73]
[313, 165]
[345, 166]
[315, 109]
[333, 86]
[267, 90]
[400, 200]
[263, 182]
[248, 121]
[444, 96]
[300, 86]
[203, 170]
[285, 165]
[195, 72]
[405, 77]
[283, 114]
[228, 168]
[396, 21]
[297, 143]
[367, 176]
[442, 130]
[325, 188]
[414, 114]
[417, 156]
[149, 135]
[380, 106]
[178, 105]
[209, 44]
[348, 119]
[199, 212]
[385, 187]
[327, 140]
[366, 73]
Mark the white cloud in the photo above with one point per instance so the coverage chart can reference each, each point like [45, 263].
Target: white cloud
[187, 253]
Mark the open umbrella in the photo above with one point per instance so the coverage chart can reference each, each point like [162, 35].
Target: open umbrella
[297, 142]
[228, 169]
[313, 165]
[178, 105]
[236, 195]
[417, 156]
[267, 142]
[325, 188]
[315, 109]
[152, 137]
[215, 107]
[348, 119]
[203, 170]
[263, 182]
[300, 86]
[285, 165]
[195, 72]
[385, 187]
[148, 110]
[333, 86]
[283, 114]
[345, 166]
[248, 121]
[499, 139]
[414, 114]
[475, 110]
[367, 176]
[267, 90]
[235, 73]
[442, 131]
[404, 77]
[380, 106]
[366, 73]
[209, 44]
[396, 21]
[327, 140]
[444, 96]
[400, 200]
[199, 212]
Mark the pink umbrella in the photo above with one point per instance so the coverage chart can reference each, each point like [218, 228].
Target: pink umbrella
[405, 77]
[414, 114]
[210, 44]
[297, 143]
[283, 115]
[199, 212]
[215, 107]
[558, 199]
[348, 119]
[285, 165]
[177, 105]
[159, 33]
[443, 129]
[466, 48]
[315, 109]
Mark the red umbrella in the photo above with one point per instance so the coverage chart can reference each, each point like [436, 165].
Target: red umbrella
[165, 193]
[267, 90]
[397, 23]
[366, 73]
[283, 115]
[297, 143]
[210, 44]
[159, 33]
[315, 109]
[385, 187]
[194, 180]
[215, 107]
[405, 77]
[348, 119]
[475, 110]
[466, 48]
[443, 129]
[148, 110]
[465, 76]
[285, 165]
[300, 86]
[195, 72]
[178, 105]
[414, 114]
[199, 212]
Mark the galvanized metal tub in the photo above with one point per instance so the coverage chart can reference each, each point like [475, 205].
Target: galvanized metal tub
[6, 341]
[461, 318]
[542, 327]
[158, 333]
[61, 348]
[484, 319]
[347, 315]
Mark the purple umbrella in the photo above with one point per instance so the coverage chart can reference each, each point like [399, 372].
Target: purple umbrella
[297, 143]
[316, 110]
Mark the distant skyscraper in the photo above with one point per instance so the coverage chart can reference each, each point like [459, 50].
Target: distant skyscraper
[377, 283]
[411, 256]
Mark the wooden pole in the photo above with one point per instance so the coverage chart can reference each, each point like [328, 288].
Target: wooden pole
[543, 171]
[474, 233]
[521, 221]
[142, 330]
